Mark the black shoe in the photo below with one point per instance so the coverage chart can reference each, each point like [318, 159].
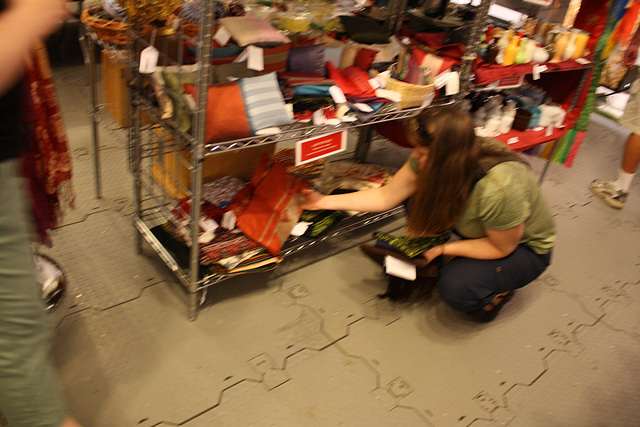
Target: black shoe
[486, 316]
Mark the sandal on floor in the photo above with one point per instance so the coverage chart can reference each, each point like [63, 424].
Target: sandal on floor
[492, 309]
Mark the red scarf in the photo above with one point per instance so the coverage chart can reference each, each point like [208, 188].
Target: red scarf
[47, 163]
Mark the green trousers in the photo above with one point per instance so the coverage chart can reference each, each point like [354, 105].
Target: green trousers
[29, 392]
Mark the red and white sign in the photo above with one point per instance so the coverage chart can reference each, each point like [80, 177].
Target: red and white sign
[316, 148]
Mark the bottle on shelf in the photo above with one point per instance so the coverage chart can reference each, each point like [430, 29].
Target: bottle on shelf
[559, 47]
[520, 56]
[582, 39]
[570, 49]
[511, 51]
[529, 27]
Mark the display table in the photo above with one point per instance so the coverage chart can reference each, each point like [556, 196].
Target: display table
[531, 138]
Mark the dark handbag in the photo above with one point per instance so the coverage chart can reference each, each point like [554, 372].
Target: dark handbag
[399, 289]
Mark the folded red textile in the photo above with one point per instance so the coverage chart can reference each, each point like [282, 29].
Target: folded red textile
[273, 209]
[489, 73]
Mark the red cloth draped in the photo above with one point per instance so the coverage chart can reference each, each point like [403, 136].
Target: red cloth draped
[47, 164]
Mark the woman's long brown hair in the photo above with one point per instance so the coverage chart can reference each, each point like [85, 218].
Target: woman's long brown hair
[454, 163]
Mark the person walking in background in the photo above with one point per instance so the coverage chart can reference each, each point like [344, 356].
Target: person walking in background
[29, 392]
[615, 192]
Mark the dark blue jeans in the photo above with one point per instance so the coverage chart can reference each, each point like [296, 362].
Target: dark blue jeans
[470, 284]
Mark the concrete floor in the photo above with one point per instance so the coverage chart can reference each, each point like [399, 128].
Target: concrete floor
[311, 345]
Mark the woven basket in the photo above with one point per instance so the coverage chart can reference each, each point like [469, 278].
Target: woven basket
[412, 95]
[111, 31]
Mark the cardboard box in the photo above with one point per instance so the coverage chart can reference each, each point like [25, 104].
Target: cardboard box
[115, 75]
[171, 171]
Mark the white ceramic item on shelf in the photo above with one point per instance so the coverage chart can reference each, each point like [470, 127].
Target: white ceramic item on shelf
[113, 9]
[540, 54]
[551, 114]
[492, 125]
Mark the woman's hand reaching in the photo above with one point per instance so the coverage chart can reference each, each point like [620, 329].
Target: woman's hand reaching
[434, 253]
[312, 199]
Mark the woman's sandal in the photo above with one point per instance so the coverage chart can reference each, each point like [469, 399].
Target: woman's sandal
[491, 310]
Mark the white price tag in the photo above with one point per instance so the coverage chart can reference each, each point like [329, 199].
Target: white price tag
[190, 101]
[549, 130]
[453, 83]
[256, 58]
[208, 224]
[512, 140]
[537, 69]
[391, 95]
[148, 60]
[399, 268]
[583, 61]
[337, 95]
[300, 228]
[318, 117]
[365, 108]
[441, 79]
[222, 36]
[206, 237]
[229, 220]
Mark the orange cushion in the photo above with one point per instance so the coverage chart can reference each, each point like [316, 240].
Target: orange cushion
[224, 120]
[274, 209]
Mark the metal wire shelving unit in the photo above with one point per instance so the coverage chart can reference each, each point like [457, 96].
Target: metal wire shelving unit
[152, 140]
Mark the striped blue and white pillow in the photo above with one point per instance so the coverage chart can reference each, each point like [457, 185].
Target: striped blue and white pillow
[264, 102]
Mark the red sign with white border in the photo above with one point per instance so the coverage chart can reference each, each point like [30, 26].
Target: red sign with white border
[316, 148]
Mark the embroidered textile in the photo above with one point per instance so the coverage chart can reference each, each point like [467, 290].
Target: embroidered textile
[48, 163]
[411, 247]
[221, 191]
[225, 244]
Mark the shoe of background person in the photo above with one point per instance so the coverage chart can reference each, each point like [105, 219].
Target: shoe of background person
[606, 190]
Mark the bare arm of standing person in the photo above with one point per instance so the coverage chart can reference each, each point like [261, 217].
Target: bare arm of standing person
[22, 25]
[401, 186]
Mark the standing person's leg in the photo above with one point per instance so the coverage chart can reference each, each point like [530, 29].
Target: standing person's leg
[615, 192]
[29, 393]
[470, 285]
[631, 157]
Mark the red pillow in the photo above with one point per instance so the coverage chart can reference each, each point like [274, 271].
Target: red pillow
[364, 58]
[224, 120]
[273, 210]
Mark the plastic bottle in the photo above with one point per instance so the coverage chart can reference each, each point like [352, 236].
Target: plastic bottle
[520, 56]
[559, 47]
[511, 51]
[581, 43]
[570, 49]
